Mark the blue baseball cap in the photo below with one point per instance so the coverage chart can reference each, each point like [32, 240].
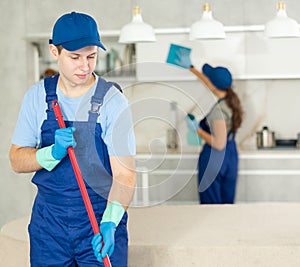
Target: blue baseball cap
[74, 31]
[219, 76]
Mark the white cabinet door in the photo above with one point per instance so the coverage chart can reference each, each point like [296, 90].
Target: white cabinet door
[273, 58]
[151, 57]
[269, 178]
[247, 54]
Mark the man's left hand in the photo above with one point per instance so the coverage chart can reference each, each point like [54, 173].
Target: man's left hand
[104, 243]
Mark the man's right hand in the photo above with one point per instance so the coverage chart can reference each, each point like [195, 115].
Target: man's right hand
[63, 139]
[48, 157]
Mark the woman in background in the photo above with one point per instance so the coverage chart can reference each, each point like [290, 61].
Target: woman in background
[218, 160]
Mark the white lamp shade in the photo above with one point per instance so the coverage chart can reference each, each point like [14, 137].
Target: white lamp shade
[281, 25]
[207, 28]
[137, 31]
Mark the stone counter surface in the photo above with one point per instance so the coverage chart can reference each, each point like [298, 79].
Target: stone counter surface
[243, 235]
[245, 152]
[275, 153]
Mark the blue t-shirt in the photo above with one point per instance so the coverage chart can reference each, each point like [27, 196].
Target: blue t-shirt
[115, 118]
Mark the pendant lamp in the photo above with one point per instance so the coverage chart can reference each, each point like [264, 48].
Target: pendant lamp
[137, 30]
[207, 27]
[281, 25]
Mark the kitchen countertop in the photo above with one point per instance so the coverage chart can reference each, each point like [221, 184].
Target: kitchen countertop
[275, 153]
[243, 153]
[281, 162]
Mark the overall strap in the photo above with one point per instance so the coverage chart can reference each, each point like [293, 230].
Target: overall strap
[97, 99]
[220, 100]
[230, 136]
[50, 84]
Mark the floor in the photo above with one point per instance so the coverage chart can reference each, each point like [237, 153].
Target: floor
[241, 235]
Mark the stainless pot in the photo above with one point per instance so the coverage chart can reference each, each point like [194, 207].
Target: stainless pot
[265, 138]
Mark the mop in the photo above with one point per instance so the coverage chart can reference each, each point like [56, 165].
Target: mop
[84, 193]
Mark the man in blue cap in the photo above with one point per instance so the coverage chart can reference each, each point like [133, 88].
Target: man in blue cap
[99, 128]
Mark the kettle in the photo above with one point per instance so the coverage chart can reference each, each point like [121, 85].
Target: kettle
[265, 138]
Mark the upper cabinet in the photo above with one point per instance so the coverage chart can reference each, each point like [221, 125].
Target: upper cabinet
[271, 58]
[229, 52]
[245, 51]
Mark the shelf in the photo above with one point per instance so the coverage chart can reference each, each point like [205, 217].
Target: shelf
[179, 30]
[245, 51]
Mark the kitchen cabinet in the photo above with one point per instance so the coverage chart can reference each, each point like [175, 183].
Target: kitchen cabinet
[228, 52]
[166, 178]
[264, 176]
[271, 58]
[245, 51]
[269, 175]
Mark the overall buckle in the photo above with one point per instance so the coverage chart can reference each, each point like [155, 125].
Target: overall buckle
[95, 107]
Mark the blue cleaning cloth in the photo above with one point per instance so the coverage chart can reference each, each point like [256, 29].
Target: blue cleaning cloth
[176, 52]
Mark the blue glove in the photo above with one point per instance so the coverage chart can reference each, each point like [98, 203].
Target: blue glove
[191, 122]
[97, 245]
[63, 139]
[110, 220]
[107, 230]
[183, 59]
[48, 157]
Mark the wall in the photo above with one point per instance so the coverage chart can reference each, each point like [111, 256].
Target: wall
[15, 192]
[23, 17]
[272, 103]
[261, 69]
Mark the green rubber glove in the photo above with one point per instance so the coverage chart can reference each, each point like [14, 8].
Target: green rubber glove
[45, 159]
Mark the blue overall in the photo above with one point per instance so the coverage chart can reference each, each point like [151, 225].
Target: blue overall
[60, 230]
[217, 170]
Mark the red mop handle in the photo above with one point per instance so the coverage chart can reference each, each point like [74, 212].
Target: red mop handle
[84, 193]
